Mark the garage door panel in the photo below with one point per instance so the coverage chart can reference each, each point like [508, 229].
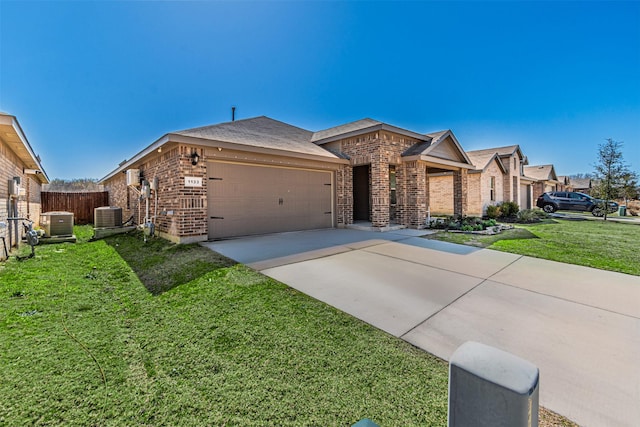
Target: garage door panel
[251, 199]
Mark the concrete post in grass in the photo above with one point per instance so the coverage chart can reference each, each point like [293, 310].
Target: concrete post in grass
[490, 387]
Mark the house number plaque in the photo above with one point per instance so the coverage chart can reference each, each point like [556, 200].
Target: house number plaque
[192, 181]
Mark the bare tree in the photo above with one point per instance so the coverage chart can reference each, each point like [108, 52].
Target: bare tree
[73, 185]
[609, 171]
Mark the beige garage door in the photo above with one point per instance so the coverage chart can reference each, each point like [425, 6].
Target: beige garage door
[251, 199]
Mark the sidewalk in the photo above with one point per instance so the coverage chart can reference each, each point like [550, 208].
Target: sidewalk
[580, 326]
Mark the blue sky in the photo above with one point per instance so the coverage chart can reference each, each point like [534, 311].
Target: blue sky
[94, 82]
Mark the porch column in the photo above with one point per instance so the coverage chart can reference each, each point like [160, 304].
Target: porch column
[344, 195]
[379, 193]
[413, 204]
[460, 192]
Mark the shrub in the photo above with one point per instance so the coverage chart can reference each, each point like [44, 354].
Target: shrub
[489, 223]
[509, 209]
[493, 211]
[531, 215]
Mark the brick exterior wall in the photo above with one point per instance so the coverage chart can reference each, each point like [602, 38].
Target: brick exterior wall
[511, 182]
[479, 189]
[181, 213]
[414, 192]
[380, 150]
[441, 194]
[475, 193]
[28, 204]
[344, 196]
[460, 191]
[415, 195]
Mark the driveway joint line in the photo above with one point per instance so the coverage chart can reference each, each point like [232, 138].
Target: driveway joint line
[348, 250]
[566, 300]
[484, 280]
[433, 266]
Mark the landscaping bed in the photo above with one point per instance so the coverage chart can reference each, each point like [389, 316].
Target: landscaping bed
[600, 244]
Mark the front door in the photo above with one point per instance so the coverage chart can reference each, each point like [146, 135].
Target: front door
[361, 193]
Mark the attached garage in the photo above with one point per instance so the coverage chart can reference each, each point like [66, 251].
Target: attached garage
[245, 199]
[240, 178]
[260, 176]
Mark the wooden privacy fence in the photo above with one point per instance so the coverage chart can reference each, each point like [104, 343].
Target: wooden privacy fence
[81, 204]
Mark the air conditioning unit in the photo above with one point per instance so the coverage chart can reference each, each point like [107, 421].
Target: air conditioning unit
[133, 177]
[57, 223]
[107, 216]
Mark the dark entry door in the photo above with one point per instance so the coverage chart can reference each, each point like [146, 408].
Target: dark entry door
[361, 206]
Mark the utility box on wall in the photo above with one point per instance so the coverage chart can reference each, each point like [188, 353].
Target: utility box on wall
[57, 223]
[14, 187]
[133, 177]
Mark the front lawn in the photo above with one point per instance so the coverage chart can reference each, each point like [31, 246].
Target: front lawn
[192, 339]
[600, 244]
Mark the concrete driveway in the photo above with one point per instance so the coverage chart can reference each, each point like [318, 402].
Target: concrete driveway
[580, 326]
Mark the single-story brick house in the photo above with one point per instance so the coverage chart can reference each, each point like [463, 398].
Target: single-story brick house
[544, 177]
[21, 179]
[498, 176]
[486, 183]
[260, 175]
[581, 185]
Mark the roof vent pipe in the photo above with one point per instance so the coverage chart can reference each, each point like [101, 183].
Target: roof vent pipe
[233, 114]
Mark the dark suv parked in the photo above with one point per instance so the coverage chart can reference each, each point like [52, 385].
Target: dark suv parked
[572, 201]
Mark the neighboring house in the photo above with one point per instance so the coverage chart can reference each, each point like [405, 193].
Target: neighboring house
[21, 180]
[581, 185]
[565, 183]
[515, 185]
[545, 179]
[260, 175]
[486, 183]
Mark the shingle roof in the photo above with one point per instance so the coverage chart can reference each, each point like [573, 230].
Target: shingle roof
[502, 151]
[418, 148]
[435, 136]
[260, 132]
[581, 183]
[541, 172]
[481, 158]
[346, 128]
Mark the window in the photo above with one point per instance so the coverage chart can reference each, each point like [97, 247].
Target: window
[392, 185]
[492, 186]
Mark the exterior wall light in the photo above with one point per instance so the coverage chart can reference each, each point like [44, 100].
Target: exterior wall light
[195, 158]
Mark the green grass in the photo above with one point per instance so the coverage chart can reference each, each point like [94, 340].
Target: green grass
[118, 332]
[600, 244]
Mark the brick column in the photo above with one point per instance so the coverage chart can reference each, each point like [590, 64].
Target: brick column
[344, 194]
[460, 191]
[379, 192]
[413, 203]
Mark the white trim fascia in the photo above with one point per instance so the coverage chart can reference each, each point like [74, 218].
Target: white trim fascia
[209, 143]
[25, 142]
[139, 156]
[376, 127]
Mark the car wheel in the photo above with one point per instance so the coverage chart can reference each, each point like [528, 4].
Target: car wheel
[549, 208]
[597, 211]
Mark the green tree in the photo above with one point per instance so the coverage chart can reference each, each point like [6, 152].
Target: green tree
[629, 186]
[609, 171]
